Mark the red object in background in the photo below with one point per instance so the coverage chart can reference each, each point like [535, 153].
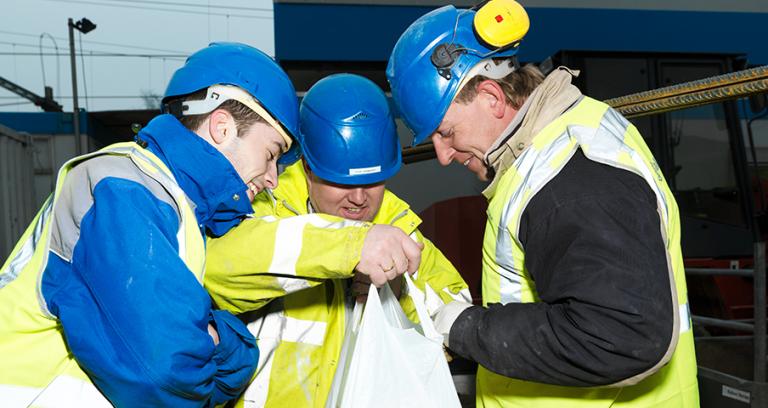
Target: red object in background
[456, 226]
[725, 297]
[499, 18]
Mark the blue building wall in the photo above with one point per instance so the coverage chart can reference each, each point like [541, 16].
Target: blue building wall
[343, 32]
[52, 123]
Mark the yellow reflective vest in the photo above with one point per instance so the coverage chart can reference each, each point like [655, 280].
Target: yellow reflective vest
[301, 331]
[36, 368]
[605, 137]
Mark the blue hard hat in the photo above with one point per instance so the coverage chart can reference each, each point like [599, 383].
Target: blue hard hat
[348, 133]
[422, 86]
[248, 68]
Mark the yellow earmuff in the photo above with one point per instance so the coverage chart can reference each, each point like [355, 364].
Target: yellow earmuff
[501, 23]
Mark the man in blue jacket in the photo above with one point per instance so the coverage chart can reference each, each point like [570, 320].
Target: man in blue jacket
[101, 301]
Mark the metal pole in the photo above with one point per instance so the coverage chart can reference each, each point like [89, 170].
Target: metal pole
[728, 324]
[75, 107]
[719, 272]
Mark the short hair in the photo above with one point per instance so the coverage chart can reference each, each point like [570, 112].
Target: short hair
[517, 86]
[244, 117]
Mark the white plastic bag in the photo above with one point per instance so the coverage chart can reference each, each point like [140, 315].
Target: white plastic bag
[388, 361]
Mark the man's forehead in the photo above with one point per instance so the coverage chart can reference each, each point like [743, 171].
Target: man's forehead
[276, 139]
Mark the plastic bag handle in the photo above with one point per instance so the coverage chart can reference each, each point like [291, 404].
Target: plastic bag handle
[425, 320]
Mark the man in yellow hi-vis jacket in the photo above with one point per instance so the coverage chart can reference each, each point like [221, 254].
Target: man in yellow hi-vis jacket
[584, 294]
[350, 148]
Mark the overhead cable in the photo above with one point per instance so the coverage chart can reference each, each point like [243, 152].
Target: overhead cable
[162, 9]
[170, 3]
[94, 42]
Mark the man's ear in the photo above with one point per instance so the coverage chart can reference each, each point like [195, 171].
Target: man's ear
[221, 125]
[493, 96]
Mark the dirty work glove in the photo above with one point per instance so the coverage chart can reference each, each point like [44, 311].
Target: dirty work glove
[446, 315]
[236, 356]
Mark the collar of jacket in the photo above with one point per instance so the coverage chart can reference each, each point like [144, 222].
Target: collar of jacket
[546, 103]
[218, 194]
[292, 198]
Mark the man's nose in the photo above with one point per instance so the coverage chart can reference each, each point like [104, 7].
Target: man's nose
[357, 196]
[270, 179]
[443, 151]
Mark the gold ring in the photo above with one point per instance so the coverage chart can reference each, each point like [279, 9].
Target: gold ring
[390, 268]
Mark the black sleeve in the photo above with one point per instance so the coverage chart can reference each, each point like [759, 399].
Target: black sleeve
[594, 248]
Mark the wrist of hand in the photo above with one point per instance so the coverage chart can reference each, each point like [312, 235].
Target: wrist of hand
[445, 316]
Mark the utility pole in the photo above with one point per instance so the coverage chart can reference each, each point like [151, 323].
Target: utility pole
[84, 26]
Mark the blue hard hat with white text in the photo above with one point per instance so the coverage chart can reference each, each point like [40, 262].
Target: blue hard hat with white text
[347, 131]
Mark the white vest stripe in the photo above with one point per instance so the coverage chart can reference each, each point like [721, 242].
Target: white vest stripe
[29, 247]
[290, 234]
[536, 166]
[304, 331]
[288, 237]
[609, 147]
[257, 392]
[270, 330]
[62, 392]
[685, 317]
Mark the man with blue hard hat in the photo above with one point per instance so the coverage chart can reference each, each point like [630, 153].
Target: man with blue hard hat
[583, 283]
[102, 302]
[350, 148]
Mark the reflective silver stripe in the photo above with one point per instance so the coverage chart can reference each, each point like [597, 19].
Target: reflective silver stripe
[28, 249]
[258, 390]
[397, 217]
[15, 396]
[289, 241]
[685, 317]
[270, 330]
[276, 325]
[267, 330]
[536, 167]
[304, 331]
[510, 281]
[610, 143]
[62, 392]
[167, 180]
[288, 244]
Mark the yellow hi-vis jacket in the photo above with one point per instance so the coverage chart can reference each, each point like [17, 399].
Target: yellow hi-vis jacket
[38, 369]
[300, 333]
[605, 137]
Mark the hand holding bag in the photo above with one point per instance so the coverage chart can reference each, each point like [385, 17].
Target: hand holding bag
[390, 361]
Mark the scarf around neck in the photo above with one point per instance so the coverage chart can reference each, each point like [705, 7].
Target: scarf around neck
[549, 100]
